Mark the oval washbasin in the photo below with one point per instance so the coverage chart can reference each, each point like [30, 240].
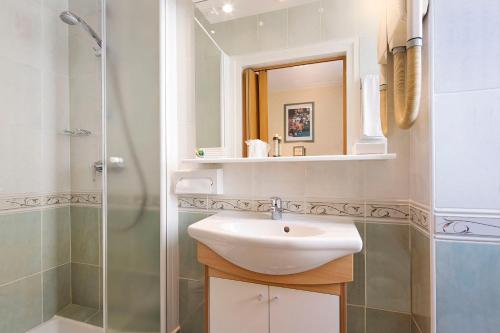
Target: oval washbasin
[271, 229]
[295, 244]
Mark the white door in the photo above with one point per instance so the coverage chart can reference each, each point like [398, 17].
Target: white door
[296, 311]
[238, 307]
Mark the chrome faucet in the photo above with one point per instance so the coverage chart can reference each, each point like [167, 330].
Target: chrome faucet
[276, 208]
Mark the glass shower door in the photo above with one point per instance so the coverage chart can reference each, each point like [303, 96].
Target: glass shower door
[132, 149]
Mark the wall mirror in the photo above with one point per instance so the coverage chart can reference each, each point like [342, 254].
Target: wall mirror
[209, 90]
[302, 105]
[290, 69]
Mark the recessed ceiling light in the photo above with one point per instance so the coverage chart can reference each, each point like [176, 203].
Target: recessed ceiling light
[227, 8]
[212, 32]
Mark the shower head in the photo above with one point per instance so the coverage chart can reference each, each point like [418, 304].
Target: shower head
[69, 18]
[73, 19]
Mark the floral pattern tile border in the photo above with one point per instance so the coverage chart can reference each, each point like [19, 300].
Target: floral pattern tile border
[37, 201]
[336, 208]
[193, 203]
[289, 206]
[388, 211]
[230, 204]
[420, 218]
[86, 198]
[468, 226]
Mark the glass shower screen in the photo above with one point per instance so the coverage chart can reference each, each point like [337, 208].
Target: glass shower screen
[132, 151]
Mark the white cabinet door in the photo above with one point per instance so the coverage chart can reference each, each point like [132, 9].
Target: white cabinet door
[238, 307]
[296, 311]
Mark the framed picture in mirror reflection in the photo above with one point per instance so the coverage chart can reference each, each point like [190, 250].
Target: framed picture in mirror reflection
[299, 122]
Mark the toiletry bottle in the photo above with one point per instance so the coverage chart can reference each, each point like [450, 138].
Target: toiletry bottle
[276, 145]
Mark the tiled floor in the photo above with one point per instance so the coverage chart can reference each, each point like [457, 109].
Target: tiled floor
[81, 313]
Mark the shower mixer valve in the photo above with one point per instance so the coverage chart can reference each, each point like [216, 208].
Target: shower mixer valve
[114, 162]
[97, 167]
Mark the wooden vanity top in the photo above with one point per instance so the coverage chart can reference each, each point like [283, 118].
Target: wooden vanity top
[321, 279]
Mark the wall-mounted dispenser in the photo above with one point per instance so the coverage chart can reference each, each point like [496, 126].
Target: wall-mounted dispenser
[199, 181]
[402, 35]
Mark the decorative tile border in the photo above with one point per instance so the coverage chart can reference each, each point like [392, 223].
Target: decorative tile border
[468, 226]
[237, 204]
[289, 206]
[37, 201]
[86, 199]
[57, 199]
[230, 204]
[16, 203]
[336, 209]
[193, 203]
[390, 211]
[420, 218]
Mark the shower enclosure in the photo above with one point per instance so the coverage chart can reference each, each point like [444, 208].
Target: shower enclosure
[80, 197]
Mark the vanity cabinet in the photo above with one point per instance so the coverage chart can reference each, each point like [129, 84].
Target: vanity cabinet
[298, 311]
[242, 301]
[238, 307]
[244, 307]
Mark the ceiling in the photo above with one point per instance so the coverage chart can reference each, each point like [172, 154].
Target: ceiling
[212, 9]
[306, 76]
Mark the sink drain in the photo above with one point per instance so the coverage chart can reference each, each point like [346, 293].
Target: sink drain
[286, 229]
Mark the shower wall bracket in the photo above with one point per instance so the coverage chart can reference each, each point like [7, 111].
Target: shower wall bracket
[77, 132]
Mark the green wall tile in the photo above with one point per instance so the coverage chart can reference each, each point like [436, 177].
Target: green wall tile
[378, 321]
[467, 291]
[56, 290]
[133, 268]
[420, 279]
[388, 267]
[134, 245]
[126, 285]
[56, 225]
[21, 305]
[189, 266]
[85, 235]
[191, 306]
[356, 289]
[85, 285]
[355, 319]
[20, 245]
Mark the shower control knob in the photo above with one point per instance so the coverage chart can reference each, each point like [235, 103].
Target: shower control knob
[97, 167]
[116, 162]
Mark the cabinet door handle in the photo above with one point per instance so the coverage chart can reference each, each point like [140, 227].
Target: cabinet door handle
[275, 298]
[260, 297]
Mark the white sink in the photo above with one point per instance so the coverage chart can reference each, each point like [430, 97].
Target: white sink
[295, 244]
